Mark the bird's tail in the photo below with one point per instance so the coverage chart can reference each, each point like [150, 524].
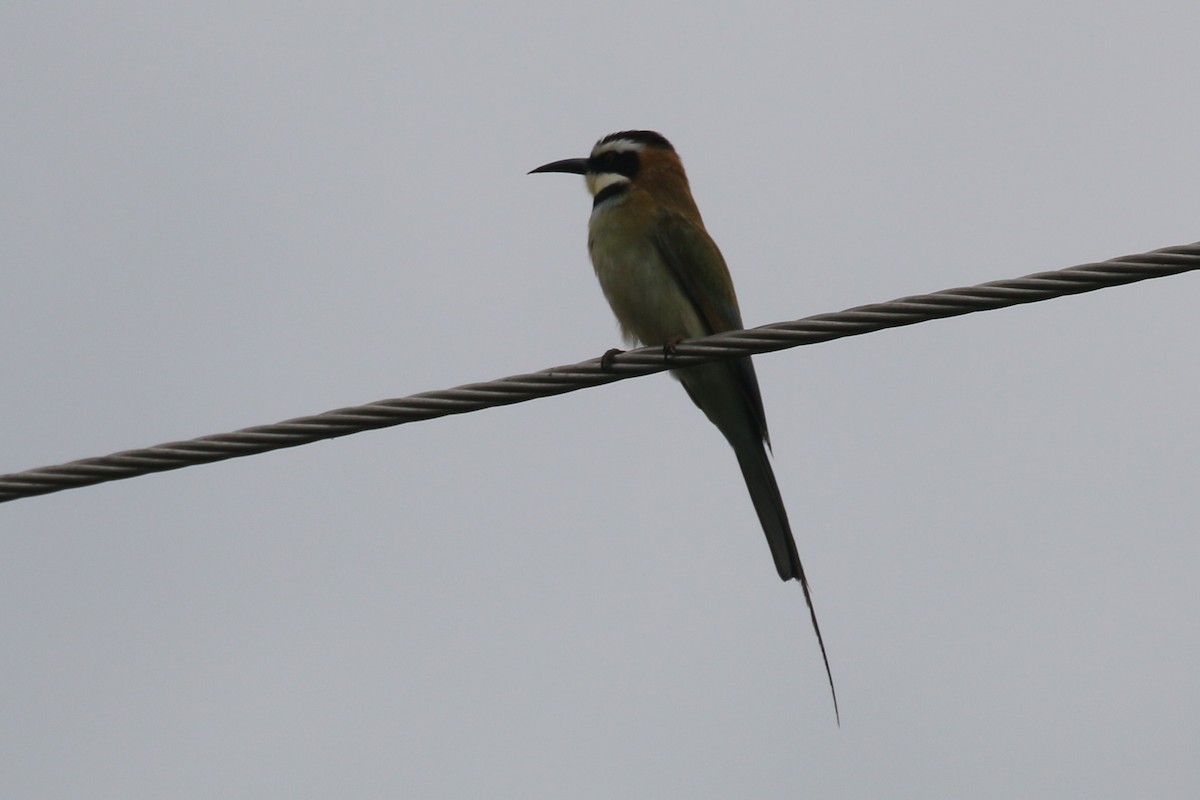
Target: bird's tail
[768, 503]
[728, 395]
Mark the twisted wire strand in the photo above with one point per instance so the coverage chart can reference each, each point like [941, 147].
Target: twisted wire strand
[572, 377]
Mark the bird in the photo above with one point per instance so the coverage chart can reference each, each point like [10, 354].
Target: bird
[666, 280]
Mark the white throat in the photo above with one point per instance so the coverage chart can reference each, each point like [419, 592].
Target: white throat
[601, 181]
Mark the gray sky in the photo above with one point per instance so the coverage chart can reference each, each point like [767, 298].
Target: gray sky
[216, 216]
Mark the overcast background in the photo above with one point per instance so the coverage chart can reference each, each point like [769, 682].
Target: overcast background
[218, 215]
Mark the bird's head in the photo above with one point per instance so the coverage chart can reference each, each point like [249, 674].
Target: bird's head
[628, 159]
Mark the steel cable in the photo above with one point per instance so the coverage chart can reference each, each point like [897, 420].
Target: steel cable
[597, 371]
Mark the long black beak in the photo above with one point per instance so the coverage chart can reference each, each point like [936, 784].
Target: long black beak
[576, 166]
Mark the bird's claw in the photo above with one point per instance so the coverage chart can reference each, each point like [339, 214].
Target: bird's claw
[670, 346]
[606, 360]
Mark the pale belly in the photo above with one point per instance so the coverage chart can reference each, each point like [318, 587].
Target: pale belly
[643, 294]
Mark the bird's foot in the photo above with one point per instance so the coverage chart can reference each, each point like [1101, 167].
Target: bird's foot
[670, 346]
[606, 360]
